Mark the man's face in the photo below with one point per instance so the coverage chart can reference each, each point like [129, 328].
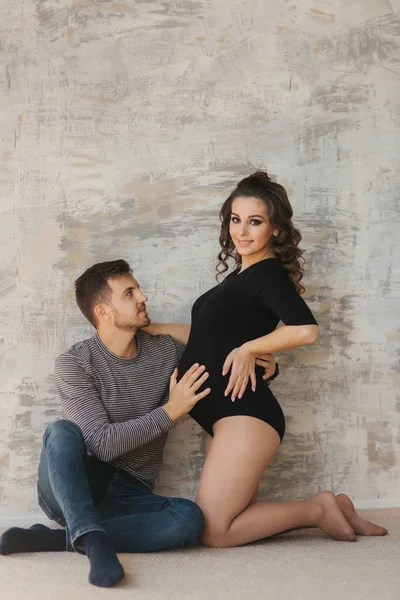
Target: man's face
[128, 308]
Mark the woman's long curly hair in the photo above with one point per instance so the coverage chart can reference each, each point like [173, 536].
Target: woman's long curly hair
[280, 213]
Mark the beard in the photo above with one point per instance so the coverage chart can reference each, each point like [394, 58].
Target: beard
[131, 326]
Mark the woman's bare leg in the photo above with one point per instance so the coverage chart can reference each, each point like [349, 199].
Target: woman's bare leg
[207, 446]
[239, 453]
[360, 526]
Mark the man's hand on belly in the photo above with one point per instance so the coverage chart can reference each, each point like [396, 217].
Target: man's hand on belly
[183, 395]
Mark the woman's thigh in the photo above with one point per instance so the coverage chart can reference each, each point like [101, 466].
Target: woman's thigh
[240, 451]
[207, 443]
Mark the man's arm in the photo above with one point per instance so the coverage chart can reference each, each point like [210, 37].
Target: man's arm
[178, 331]
[81, 404]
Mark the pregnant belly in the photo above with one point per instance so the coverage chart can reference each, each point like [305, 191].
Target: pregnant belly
[210, 360]
[213, 363]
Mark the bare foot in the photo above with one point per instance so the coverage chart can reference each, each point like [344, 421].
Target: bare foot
[330, 518]
[361, 526]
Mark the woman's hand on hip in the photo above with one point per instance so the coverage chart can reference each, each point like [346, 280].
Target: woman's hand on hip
[241, 363]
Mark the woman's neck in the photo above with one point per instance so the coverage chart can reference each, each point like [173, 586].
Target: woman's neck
[248, 261]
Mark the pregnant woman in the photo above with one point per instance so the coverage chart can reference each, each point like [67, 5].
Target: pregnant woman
[233, 324]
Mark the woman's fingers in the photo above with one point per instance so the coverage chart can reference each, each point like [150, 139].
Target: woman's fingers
[243, 388]
[236, 389]
[227, 364]
[239, 383]
[231, 385]
[253, 381]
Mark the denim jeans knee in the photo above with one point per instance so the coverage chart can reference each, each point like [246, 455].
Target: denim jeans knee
[189, 520]
[61, 428]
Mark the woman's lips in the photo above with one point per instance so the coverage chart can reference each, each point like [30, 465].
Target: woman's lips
[244, 243]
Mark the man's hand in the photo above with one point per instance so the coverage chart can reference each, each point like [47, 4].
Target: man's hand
[182, 395]
[269, 363]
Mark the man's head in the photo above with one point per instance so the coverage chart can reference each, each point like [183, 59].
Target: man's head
[108, 295]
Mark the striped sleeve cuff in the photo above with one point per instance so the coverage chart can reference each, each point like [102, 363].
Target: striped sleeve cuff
[162, 419]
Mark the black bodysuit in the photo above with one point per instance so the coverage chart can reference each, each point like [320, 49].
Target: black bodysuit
[244, 307]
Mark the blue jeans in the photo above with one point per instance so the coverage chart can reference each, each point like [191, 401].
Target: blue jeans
[84, 494]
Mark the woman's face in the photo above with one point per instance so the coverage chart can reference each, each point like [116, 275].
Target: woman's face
[249, 228]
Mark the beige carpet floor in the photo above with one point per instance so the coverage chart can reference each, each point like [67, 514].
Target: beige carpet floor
[303, 564]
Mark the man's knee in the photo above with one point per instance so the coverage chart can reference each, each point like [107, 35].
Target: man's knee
[60, 431]
[189, 520]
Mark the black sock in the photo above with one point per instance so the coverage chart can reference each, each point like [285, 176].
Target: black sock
[36, 539]
[105, 568]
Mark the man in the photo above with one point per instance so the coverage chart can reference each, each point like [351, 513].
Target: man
[99, 464]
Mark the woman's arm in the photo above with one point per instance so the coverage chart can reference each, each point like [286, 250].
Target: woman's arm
[286, 337]
[179, 331]
[241, 360]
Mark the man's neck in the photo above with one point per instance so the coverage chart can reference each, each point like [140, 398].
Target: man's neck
[120, 343]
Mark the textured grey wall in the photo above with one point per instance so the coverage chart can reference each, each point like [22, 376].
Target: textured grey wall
[124, 126]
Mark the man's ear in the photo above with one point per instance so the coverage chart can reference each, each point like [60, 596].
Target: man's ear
[102, 312]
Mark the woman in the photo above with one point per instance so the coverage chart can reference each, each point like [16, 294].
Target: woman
[233, 324]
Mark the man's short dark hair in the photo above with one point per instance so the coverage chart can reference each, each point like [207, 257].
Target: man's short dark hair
[92, 287]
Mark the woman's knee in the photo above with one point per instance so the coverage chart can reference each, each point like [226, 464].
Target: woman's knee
[215, 537]
[62, 430]
[193, 524]
[216, 530]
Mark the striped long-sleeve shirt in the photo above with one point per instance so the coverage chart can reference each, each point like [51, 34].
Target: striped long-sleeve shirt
[117, 402]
